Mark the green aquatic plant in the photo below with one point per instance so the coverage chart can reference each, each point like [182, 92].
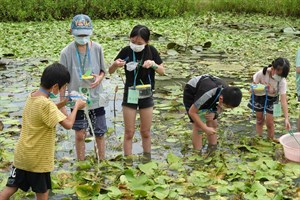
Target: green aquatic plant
[243, 167]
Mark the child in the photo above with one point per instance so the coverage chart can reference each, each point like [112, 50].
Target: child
[140, 61]
[273, 78]
[34, 153]
[85, 61]
[298, 81]
[204, 98]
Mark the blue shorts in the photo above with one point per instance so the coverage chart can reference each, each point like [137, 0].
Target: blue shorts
[98, 121]
[38, 182]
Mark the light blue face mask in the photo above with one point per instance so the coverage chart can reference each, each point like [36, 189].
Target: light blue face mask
[51, 94]
[82, 40]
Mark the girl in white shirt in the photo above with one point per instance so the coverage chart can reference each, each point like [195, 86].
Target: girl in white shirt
[273, 78]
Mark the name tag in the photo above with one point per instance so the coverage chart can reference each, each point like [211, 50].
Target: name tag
[133, 96]
[276, 110]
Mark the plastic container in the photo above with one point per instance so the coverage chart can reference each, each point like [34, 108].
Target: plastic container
[73, 96]
[258, 87]
[144, 91]
[291, 147]
[85, 77]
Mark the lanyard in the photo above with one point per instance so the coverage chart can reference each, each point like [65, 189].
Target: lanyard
[215, 100]
[136, 70]
[82, 64]
[44, 91]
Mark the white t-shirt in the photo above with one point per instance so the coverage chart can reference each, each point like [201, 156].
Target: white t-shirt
[275, 87]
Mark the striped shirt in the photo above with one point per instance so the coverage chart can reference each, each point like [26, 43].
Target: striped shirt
[35, 148]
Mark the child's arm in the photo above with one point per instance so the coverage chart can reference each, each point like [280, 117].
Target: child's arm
[116, 64]
[62, 97]
[69, 121]
[158, 68]
[285, 111]
[62, 103]
[193, 112]
[98, 79]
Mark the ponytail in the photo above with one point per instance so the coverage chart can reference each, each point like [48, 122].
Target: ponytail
[265, 69]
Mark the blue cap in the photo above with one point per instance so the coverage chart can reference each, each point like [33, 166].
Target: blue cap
[81, 25]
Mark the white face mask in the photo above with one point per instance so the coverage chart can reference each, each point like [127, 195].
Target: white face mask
[82, 40]
[276, 77]
[136, 47]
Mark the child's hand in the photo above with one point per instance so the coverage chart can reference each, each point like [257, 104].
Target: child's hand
[119, 62]
[64, 101]
[271, 90]
[148, 64]
[210, 131]
[97, 81]
[80, 103]
[287, 124]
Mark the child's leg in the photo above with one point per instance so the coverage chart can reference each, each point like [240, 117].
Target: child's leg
[212, 139]
[129, 115]
[80, 144]
[100, 140]
[100, 128]
[259, 123]
[270, 125]
[145, 128]
[42, 196]
[197, 137]
[7, 192]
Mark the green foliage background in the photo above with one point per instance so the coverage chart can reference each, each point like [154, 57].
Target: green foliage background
[39, 10]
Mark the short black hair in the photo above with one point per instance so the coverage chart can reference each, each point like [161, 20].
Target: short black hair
[55, 73]
[232, 96]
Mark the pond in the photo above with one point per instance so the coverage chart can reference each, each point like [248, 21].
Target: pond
[244, 167]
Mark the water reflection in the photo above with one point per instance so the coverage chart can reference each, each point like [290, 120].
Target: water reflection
[170, 129]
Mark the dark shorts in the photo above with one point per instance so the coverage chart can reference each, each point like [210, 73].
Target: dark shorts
[98, 120]
[259, 103]
[142, 103]
[188, 101]
[201, 114]
[39, 182]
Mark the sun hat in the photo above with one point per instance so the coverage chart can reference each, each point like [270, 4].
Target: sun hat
[81, 25]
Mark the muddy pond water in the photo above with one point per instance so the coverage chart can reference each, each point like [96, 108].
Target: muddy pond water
[170, 130]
